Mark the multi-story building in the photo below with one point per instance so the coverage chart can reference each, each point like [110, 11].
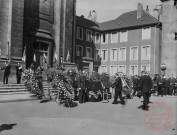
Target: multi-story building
[87, 44]
[129, 44]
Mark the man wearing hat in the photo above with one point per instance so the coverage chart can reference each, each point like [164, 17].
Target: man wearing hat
[118, 89]
[145, 86]
[81, 81]
[18, 73]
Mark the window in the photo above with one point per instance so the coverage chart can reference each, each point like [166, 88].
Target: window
[113, 70]
[104, 55]
[145, 53]
[145, 67]
[113, 54]
[134, 53]
[123, 36]
[114, 37]
[79, 50]
[104, 38]
[122, 54]
[97, 37]
[79, 33]
[146, 33]
[122, 68]
[89, 35]
[97, 55]
[133, 70]
[103, 69]
[88, 52]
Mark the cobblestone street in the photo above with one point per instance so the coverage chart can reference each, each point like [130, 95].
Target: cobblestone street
[34, 118]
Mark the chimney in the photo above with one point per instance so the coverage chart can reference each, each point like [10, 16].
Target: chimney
[82, 16]
[139, 10]
[94, 18]
[90, 16]
[147, 9]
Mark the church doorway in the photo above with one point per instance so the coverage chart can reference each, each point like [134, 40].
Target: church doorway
[40, 57]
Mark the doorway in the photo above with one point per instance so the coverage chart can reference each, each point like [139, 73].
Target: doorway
[83, 66]
[40, 56]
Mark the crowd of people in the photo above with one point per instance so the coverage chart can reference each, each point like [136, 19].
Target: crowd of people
[162, 85]
[84, 87]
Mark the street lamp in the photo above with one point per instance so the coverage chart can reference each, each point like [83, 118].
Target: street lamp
[163, 67]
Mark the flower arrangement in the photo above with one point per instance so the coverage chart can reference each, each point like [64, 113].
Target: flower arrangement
[26, 78]
[105, 79]
[95, 77]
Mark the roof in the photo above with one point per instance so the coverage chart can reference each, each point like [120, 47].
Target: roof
[83, 22]
[128, 20]
[124, 21]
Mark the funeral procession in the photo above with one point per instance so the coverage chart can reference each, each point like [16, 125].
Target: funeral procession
[88, 67]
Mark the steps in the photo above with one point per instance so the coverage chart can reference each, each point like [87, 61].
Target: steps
[16, 93]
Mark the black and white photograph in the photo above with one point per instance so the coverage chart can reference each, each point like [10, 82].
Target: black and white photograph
[88, 67]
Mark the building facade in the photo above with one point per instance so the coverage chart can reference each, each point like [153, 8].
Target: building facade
[129, 44]
[87, 44]
[41, 28]
[169, 36]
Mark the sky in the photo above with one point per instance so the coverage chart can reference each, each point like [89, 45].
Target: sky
[111, 9]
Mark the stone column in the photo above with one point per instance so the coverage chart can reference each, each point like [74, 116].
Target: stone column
[9, 29]
[56, 27]
[74, 32]
[5, 26]
[63, 27]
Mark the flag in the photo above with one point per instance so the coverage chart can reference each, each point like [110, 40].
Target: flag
[55, 57]
[44, 58]
[24, 55]
[34, 57]
[68, 59]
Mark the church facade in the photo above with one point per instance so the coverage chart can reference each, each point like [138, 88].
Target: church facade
[38, 27]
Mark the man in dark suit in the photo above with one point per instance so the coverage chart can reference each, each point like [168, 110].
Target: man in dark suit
[6, 69]
[118, 89]
[145, 86]
[81, 82]
[18, 73]
[171, 85]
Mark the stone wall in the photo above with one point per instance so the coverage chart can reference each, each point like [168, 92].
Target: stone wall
[169, 44]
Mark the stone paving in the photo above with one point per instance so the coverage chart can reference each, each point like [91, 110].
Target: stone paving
[34, 118]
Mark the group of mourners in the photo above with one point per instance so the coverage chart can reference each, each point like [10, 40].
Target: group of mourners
[162, 85]
[84, 87]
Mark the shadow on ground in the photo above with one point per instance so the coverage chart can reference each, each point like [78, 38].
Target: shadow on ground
[6, 127]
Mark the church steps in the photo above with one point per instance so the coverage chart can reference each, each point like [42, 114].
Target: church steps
[17, 93]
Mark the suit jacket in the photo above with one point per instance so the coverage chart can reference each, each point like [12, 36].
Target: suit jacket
[18, 71]
[6, 69]
[81, 83]
[145, 84]
[118, 84]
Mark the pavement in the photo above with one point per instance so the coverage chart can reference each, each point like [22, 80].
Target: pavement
[20, 97]
[34, 118]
